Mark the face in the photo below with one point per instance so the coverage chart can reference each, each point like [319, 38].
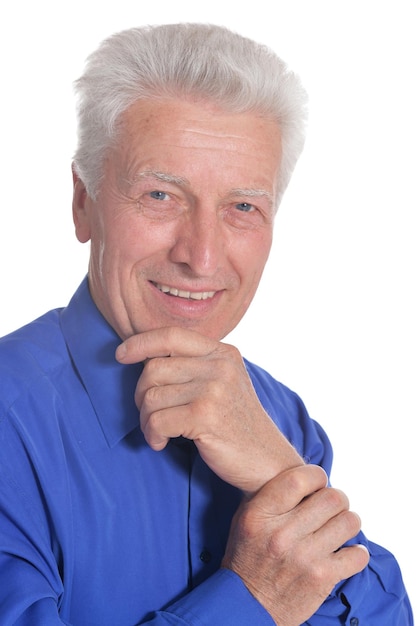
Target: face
[182, 225]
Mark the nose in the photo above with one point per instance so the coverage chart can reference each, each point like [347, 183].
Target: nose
[199, 242]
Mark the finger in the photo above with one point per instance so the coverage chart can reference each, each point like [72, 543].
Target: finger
[163, 342]
[320, 507]
[338, 530]
[350, 560]
[161, 372]
[158, 397]
[160, 426]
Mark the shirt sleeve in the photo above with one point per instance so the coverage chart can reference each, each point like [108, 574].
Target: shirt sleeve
[221, 599]
[30, 586]
[43, 612]
[374, 596]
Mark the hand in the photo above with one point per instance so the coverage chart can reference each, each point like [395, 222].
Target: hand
[199, 388]
[284, 544]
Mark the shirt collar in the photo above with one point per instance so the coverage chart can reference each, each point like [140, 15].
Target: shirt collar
[92, 343]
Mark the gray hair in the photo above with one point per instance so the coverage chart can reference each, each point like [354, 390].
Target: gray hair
[176, 60]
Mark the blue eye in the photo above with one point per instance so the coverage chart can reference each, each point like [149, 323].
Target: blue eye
[158, 195]
[244, 206]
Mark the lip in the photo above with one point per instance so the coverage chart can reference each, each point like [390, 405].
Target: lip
[187, 294]
[187, 303]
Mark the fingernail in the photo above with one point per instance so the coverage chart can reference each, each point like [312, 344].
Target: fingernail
[121, 352]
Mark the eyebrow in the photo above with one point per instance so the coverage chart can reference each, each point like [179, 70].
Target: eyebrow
[184, 182]
[252, 193]
[162, 176]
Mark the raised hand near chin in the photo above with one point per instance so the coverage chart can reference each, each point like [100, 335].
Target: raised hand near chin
[199, 388]
[286, 535]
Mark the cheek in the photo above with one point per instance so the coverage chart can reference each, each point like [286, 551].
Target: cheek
[253, 256]
[111, 245]
[134, 241]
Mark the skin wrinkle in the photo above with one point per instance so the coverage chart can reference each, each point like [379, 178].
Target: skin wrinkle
[201, 240]
[184, 182]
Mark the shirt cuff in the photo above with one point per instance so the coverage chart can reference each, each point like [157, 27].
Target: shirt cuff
[221, 599]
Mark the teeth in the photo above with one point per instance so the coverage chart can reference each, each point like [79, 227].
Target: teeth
[190, 295]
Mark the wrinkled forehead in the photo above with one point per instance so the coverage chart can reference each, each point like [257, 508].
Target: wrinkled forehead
[167, 128]
[164, 113]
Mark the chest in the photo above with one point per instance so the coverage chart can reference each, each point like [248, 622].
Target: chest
[144, 527]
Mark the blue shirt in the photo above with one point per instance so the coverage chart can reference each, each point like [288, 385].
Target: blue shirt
[97, 529]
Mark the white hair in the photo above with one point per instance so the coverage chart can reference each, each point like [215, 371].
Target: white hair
[179, 60]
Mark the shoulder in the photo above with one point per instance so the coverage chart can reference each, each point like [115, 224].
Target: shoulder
[29, 354]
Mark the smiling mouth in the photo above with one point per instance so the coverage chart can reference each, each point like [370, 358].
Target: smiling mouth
[181, 293]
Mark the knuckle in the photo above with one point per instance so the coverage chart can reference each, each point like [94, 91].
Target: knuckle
[152, 367]
[280, 543]
[320, 475]
[322, 577]
[296, 481]
[150, 397]
[213, 394]
[353, 522]
[152, 425]
[231, 350]
[336, 499]
[229, 359]
[305, 479]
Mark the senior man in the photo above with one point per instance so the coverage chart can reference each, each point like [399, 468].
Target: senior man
[148, 473]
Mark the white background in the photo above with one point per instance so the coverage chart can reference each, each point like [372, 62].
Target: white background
[335, 317]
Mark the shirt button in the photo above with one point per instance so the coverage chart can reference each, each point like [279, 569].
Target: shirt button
[205, 556]
[354, 621]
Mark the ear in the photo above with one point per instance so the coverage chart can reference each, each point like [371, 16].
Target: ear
[80, 213]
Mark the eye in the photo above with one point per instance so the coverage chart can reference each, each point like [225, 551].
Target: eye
[156, 204]
[245, 207]
[159, 195]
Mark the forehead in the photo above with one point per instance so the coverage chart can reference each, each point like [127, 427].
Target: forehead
[165, 117]
[185, 137]
[187, 107]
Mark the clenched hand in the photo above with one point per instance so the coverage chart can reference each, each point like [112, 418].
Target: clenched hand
[199, 388]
